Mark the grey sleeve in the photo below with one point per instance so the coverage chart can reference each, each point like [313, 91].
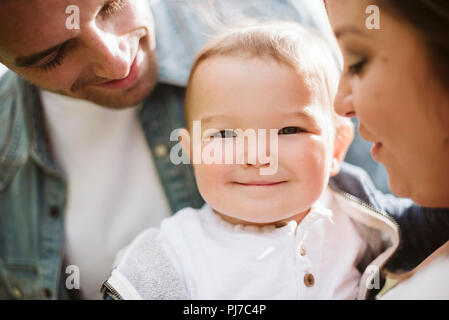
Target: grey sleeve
[149, 270]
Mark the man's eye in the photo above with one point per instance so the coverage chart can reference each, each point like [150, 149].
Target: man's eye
[224, 134]
[290, 130]
[55, 61]
[113, 6]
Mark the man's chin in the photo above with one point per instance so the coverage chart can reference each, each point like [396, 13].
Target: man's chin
[119, 100]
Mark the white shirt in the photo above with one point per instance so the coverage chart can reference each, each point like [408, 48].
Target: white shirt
[218, 260]
[114, 191]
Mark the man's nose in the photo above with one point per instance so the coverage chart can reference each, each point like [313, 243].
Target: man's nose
[110, 54]
[344, 105]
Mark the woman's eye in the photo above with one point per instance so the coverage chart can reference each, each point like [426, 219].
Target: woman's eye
[224, 134]
[290, 130]
[356, 68]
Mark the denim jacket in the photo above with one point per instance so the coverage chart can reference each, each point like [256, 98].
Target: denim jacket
[33, 190]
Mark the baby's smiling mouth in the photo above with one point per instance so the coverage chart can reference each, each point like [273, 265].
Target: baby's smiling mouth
[259, 183]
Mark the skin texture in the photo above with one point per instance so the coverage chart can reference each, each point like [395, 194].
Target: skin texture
[401, 104]
[243, 93]
[112, 35]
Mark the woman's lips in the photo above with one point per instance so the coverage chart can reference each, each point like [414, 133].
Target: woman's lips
[375, 149]
[125, 83]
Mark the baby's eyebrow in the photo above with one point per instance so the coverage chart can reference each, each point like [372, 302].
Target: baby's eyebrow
[303, 115]
[213, 117]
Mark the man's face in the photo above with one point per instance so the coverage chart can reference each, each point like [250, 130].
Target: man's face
[109, 60]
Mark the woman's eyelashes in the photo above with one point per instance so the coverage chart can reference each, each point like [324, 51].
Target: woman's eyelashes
[357, 68]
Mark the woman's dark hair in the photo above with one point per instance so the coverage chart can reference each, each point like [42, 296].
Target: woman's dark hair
[431, 19]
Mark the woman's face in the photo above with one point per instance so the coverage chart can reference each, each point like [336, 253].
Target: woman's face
[403, 109]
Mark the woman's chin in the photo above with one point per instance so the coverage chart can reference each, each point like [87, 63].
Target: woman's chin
[398, 186]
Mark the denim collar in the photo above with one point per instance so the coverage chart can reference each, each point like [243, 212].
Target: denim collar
[26, 135]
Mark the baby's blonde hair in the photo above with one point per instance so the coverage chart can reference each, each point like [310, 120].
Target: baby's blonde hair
[288, 43]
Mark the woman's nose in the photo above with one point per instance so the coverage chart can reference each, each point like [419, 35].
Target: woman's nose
[343, 103]
[110, 54]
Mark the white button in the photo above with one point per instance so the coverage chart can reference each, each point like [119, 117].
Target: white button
[302, 249]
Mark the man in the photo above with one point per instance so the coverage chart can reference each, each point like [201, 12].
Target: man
[85, 123]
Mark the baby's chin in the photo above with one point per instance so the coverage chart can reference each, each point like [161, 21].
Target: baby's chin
[262, 218]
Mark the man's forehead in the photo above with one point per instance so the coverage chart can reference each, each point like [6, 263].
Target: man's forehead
[33, 25]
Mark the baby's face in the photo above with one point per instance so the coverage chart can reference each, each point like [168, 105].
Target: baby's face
[254, 93]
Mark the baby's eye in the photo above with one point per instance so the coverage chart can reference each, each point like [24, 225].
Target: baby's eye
[290, 130]
[224, 134]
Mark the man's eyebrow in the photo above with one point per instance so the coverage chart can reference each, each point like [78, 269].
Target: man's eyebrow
[33, 58]
[339, 32]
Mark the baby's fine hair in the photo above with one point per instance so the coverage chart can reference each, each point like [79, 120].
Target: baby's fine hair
[288, 43]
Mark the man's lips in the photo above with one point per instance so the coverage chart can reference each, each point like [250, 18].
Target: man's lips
[126, 82]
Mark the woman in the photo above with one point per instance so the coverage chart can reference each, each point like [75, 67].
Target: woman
[396, 81]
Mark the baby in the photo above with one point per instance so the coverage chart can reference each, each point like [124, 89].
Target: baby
[281, 233]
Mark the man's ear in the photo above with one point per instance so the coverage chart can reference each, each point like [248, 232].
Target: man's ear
[343, 138]
[184, 137]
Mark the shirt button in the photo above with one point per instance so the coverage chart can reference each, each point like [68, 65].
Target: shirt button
[161, 150]
[47, 293]
[309, 280]
[54, 211]
[302, 249]
[17, 293]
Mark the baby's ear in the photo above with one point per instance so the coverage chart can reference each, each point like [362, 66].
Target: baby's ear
[343, 138]
[184, 137]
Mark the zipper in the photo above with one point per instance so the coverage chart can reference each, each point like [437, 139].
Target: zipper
[353, 198]
[107, 289]
[385, 215]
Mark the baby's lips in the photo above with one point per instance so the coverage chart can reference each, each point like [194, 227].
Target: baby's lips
[260, 182]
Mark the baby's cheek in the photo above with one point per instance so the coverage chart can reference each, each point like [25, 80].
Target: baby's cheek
[308, 162]
[211, 178]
